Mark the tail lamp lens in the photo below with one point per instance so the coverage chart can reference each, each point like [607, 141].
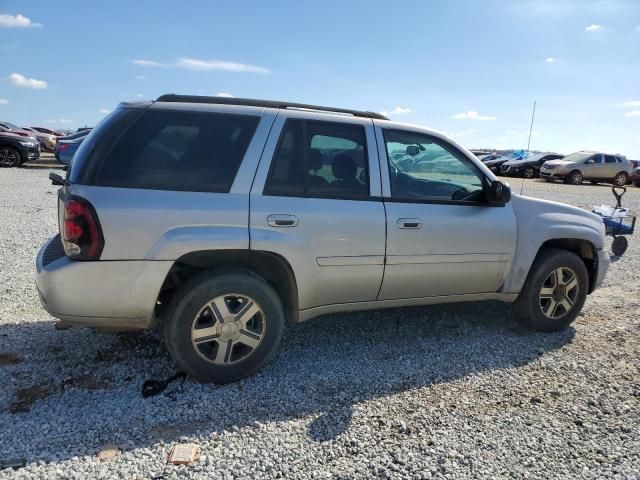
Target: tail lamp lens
[81, 232]
[62, 146]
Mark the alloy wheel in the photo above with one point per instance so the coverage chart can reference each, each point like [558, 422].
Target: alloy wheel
[228, 329]
[620, 180]
[8, 158]
[559, 293]
[529, 173]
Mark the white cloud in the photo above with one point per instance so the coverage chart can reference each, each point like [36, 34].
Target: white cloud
[60, 120]
[139, 77]
[139, 95]
[633, 113]
[550, 60]
[594, 27]
[198, 65]
[21, 81]
[3, 101]
[104, 110]
[16, 21]
[633, 103]
[397, 111]
[218, 65]
[471, 115]
[224, 94]
[148, 63]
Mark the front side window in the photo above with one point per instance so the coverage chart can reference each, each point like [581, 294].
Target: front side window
[178, 150]
[321, 160]
[422, 167]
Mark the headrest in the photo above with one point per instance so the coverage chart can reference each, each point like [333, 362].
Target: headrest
[315, 160]
[344, 167]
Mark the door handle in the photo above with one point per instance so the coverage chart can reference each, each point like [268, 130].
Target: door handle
[282, 220]
[409, 223]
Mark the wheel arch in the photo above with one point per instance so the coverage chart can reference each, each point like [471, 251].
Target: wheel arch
[269, 266]
[583, 248]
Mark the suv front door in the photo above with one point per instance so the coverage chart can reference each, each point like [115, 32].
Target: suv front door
[442, 237]
[316, 202]
[594, 167]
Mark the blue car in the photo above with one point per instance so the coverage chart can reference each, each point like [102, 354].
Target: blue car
[67, 146]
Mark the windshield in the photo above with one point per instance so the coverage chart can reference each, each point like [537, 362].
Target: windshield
[578, 157]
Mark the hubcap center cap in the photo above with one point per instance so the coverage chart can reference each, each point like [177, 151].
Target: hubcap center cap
[559, 293]
[229, 330]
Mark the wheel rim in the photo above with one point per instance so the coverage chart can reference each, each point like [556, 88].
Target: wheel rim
[559, 293]
[620, 180]
[528, 173]
[576, 179]
[228, 329]
[7, 157]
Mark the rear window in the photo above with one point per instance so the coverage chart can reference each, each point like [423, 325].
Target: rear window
[174, 150]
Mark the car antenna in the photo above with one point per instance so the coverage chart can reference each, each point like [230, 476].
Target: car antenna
[533, 115]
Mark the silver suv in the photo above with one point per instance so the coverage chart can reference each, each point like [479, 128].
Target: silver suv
[224, 219]
[592, 166]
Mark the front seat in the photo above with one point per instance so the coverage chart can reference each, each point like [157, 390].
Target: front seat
[345, 170]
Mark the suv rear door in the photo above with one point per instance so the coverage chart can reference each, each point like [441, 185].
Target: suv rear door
[439, 243]
[316, 202]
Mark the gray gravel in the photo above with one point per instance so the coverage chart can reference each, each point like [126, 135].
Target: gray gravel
[458, 391]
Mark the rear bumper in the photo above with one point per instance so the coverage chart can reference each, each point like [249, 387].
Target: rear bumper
[118, 294]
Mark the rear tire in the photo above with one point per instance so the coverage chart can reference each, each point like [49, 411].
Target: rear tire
[621, 179]
[575, 178]
[554, 292]
[10, 157]
[222, 327]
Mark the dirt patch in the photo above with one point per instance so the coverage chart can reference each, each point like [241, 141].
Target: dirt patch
[9, 359]
[86, 382]
[26, 397]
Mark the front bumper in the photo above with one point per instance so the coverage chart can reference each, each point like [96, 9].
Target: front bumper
[552, 175]
[603, 261]
[110, 294]
[30, 153]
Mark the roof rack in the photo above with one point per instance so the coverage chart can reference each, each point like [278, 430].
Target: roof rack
[172, 97]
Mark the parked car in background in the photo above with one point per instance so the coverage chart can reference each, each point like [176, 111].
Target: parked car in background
[73, 136]
[635, 177]
[46, 140]
[348, 211]
[48, 130]
[66, 149]
[592, 166]
[15, 150]
[7, 127]
[495, 164]
[487, 157]
[528, 167]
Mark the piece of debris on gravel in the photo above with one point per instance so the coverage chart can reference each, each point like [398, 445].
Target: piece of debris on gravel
[454, 391]
[183, 454]
[108, 452]
[9, 359]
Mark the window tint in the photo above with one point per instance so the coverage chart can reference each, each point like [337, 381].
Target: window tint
[320, 159]
[427, 168]
[597, 158]
[174, 150]
[609, 159]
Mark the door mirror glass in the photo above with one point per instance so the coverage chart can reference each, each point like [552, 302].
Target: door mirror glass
[497, 192]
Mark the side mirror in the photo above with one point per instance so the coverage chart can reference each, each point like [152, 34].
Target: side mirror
[56, 179]
[590, 161]
[497, 193]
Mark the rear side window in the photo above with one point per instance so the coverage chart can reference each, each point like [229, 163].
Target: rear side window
[177, 150]
[321, 160]
[609, 159]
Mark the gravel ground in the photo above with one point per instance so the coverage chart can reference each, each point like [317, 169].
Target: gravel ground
[458, 391]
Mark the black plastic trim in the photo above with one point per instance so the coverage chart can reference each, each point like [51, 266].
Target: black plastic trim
[250, 102]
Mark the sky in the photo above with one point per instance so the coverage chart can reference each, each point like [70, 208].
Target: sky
[469, 68]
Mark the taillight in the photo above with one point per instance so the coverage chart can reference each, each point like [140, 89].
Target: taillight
[62, 146]
[81, 233]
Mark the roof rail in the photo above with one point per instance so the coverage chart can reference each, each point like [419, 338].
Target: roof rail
[172, 97]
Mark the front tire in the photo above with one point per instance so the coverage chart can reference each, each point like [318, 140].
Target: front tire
[222, 327]
[554, 292]
[529, 172]
[575, 178]
[10, 157]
